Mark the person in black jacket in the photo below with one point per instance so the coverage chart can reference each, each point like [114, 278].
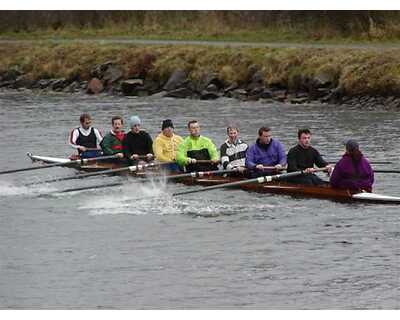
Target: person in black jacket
[137, 143]
[304, 157]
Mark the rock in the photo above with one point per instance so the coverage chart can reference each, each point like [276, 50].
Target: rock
[94, 86]
[176, 80]
[58, 84]
[159, 94]
[232, 87]
[266, 94]
[43, 83]
[23, 82]
[179, 93]
[112, 74]
[240, 94]
[4, 84]
[256, 81]
[212, 88]
[128, 87]
[210, 79]
[325, 77]
[279, 95]
[299, 100]
[207, 95]
[10, 75]
[73, 87]
[99, 70]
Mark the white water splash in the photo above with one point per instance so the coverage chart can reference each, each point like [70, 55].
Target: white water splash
[8, 189]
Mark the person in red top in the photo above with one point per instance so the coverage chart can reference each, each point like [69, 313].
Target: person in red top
[112, 142]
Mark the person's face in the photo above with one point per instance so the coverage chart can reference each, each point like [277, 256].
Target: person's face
[86, 123]
[168, 131]
[135, 128]
[265, 137]
[194, 129]
[305, 140]
[117, 125]
[233, 135]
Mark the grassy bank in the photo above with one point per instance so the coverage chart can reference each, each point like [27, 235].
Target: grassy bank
[292, 26]
[358, 72]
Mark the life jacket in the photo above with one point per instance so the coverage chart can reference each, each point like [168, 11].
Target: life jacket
[89, 141]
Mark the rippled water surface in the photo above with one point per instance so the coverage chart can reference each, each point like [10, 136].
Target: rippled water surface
[221, 249]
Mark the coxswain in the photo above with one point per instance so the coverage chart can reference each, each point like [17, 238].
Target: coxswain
[112, 142]
[304, 157]
[233, 151]
[353, 171]
[138, 145]
[267, 156]
[86, 139]
[166, 144]
[195, 149]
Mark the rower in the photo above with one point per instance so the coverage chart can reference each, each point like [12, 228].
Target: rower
[197, 147]
[86, 139]
[138, 145]
[353, 171]
[112, 142]
[166, 145]
[304, 157]
[267, 156]
[233, 150]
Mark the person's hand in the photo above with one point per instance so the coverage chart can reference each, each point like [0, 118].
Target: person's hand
[82, 148]
[119, 155]
[149, 156]
[215, 161]
[278, 167]
[191, 160]
[241, 169]
[309, 170]
[329, 168]
[260, 167]
[135, 156]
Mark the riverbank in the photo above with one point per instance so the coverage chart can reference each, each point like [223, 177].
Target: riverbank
[361, 77]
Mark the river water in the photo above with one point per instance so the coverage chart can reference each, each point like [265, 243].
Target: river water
[213, 250]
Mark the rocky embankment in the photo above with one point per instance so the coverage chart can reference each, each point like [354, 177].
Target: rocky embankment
[331, 83]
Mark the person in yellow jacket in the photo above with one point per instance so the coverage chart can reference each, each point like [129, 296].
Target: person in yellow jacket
[166, 145]
[197, 147]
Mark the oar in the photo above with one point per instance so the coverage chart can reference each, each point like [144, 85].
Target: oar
[92, 174]
[385, 171]
[64, 164]
[371, 162]
[254, 180]
[198, 174]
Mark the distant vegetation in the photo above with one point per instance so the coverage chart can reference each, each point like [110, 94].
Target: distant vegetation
[324, 26]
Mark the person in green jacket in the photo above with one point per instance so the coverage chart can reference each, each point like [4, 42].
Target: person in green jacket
[196, 147]
[112, 142]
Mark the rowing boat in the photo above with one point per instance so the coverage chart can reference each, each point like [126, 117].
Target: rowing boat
[276, 187]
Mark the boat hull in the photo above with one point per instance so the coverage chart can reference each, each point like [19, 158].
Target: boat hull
[275, 187]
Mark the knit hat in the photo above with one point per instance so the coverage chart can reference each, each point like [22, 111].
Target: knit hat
[351, 145]
[134, 120]
[167, 123]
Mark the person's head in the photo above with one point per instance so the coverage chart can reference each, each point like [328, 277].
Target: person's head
[86, 120]
[167, 128]
[117, 123]
[194, 128]
[264, 135]
[134, 124]
[233, 133]
[353, 149]
[304, 136]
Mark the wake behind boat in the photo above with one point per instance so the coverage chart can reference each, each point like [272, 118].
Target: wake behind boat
[274, 187]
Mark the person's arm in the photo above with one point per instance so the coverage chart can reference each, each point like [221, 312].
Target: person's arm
[181, 153]
[99, 136]
[292, 161]
[125, 148]
[224, 157]
[212, 150]
[106, 145]
[281, 155]
[250, 161]
[158, 150]
[318, 160]
[73, 136]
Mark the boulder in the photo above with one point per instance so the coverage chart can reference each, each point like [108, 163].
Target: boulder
[179, 93]
[209, 95]
[176, 80]
[58, 84]
[112, 74]
[210, 79]
[23, 82]
[99, 70]
[10, 75]
[94, 86]
[129, 87]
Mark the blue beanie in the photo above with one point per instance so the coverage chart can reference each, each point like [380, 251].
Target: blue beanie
[134, 120]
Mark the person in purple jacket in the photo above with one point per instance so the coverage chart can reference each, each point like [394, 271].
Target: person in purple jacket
[267, 156]
[353, 170]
